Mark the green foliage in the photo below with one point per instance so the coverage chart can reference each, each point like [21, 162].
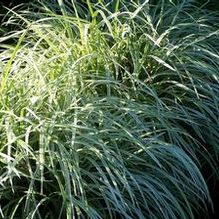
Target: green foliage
[108, 110]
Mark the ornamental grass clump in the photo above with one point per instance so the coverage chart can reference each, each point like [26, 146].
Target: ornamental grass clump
[108, 110]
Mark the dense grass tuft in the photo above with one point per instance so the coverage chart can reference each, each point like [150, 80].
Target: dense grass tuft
[108, 110]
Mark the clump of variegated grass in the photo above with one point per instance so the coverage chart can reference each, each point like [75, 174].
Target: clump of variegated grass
[110, 113]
